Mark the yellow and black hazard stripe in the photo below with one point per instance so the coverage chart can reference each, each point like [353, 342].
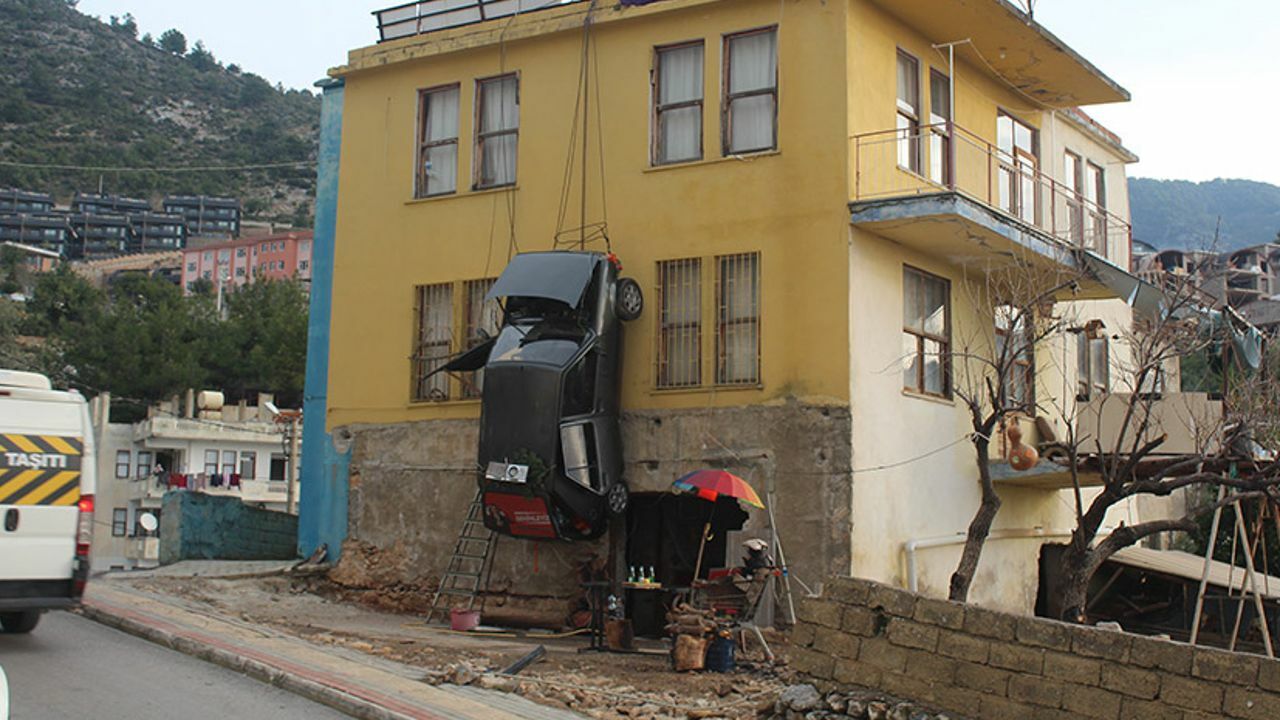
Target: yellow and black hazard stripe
[40, 444]
[40, 469]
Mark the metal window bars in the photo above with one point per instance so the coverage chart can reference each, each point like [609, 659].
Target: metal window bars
[738, 319]
[679, 354]
[433, 341]
[484, 317]
[416, 18]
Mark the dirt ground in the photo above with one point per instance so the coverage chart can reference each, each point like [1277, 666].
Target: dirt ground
[601, 685]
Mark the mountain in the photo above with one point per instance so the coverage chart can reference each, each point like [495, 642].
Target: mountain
[1183, 214]
[77, 91]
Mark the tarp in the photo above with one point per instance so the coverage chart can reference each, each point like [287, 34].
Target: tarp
[1148, 300]
[556, 275]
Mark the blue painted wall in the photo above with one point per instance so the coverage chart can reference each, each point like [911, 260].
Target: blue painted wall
[195, 526]
[322, 500]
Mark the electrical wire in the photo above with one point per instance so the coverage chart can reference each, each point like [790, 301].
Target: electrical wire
[160, 169]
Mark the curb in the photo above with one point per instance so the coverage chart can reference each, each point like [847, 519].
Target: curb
[325, 695]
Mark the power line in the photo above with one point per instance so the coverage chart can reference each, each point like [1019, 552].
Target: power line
[172, 169]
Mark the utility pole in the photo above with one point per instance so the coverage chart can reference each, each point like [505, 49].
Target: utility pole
[295, 456]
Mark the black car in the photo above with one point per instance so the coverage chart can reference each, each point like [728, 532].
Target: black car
[550, 445]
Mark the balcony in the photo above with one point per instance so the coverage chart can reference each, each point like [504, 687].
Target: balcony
[1018, 202]
[1191, 423]
[417, 18]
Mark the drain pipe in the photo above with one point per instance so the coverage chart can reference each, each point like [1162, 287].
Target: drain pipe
[911, 546]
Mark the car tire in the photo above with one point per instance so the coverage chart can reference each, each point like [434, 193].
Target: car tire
[19, 622]
[618, 498]
[630, 301]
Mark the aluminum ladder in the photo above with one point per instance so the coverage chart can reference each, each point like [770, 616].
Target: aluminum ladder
[467, 574]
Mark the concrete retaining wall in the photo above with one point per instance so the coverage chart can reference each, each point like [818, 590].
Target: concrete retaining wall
[195, 526]
[986, 664]
[411, 484]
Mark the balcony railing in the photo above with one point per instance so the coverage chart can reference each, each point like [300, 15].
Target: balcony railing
[942, 158]
[416, 18]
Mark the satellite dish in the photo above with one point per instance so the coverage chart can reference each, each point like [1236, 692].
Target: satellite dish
[148, 522]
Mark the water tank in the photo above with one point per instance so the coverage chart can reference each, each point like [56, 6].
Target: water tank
[209, 400]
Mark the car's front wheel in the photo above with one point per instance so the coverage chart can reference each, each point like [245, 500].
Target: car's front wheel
[630, 299]
[20, 622]
[618, 498]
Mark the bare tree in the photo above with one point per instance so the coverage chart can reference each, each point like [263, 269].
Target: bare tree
[993, 370]
[1129, 464]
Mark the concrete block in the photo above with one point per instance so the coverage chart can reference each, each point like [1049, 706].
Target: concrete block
[1134, 709]
[1018, 658]
[931, 667]
[1072, 668]
[882, 654]
[989, 623]
[1269, 675]
[1091, 702]
[1251, 704]
[1105, 644]
[940, 612]
[819, 612]
[998, 707]
[864, 622]
[1133, 682]
[892, 600]
[906, 686]
[984, 679]
[1192, 694]
[853, 672]
[963, 647]
[911, 634]
[836, 643]
[802, 635]
[958, 700]
[1036, 690]
[847, 590]
[812, 663]
[1161, 655]
[1230, 667]
[1043, 633]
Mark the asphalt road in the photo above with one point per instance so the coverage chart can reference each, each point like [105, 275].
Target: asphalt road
[74, 668]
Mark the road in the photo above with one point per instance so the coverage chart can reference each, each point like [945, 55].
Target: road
[74, 668]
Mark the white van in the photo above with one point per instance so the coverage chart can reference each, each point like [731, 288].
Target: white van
[47, 481]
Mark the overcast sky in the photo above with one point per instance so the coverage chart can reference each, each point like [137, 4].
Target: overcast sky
[1205, 84]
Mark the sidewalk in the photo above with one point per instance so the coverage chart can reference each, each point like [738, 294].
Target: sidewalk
[360, 685]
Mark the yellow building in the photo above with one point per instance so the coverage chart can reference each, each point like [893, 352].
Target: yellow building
[804, 189]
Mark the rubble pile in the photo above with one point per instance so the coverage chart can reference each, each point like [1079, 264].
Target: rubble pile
[804, 701]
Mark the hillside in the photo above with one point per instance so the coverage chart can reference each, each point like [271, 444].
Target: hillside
[77, 91]
[1182, 214]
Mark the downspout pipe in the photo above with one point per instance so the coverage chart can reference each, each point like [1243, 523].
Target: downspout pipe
[910, 547]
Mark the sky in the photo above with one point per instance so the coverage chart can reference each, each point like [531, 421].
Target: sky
[1205, 85]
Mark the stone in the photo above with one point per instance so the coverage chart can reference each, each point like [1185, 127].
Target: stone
[1161, 655]
[1091, 702]
[989, 623]
[861, 621]
[1072, 668]
[892, 600]
[882, 654]
[1224, 666]
[847, 590]
[1016, 657]
[1191, 694]
[913, 635]
[982, 678]
[877, 710]
[1035, 691]
[837, 702]
[940, 612]
[1131, 681]
[801, 698]
[1251, 704]
[963, 647]
[1105, 644]
[1043, 633]
[819, 612]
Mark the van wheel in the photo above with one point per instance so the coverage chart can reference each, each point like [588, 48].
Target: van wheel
[19, 622]
[630, 299]
[618, 497]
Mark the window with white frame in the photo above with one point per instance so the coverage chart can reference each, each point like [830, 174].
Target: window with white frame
[926, 333]
[484, 317]
[738, 319]
[248, 464]
[119, 521]
[1014, 358]
[433, 340]
[497, 130]
[1095, 195]
[122, 464]
[210, 462]
[680, 323]
[677, 103]
[908, 108]
[228, 462]
[750, 105]
[1018, 153]
[1093, 358]
[144, 465]
[939, 127]
[438, 142]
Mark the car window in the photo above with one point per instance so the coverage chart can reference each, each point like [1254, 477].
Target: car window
[580, 386]
[520, 344]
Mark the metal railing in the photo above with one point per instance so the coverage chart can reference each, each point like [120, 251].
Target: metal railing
[416, 18]
[947, 158]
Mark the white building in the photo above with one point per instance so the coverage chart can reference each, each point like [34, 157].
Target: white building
[237, 450]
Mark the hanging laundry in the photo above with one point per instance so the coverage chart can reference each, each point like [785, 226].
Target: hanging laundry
[235, 480]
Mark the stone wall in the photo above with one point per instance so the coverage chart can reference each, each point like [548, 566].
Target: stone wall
[411, 484]
[985, 664]
[195, 526]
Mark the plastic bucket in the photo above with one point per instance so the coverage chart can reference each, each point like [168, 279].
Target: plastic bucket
[720, 655]
[464, 620]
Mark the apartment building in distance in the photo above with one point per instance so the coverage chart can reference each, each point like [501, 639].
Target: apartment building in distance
[808, 193]
[234, 263]
[206, 216]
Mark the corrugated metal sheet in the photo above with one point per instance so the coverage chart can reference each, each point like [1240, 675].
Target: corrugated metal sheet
[1191, 567]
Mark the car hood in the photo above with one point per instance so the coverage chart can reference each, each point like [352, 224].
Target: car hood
[561, 276]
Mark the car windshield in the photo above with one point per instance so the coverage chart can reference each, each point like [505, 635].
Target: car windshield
[546, 343]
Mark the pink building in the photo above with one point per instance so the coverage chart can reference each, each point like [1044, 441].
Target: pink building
[236, 262]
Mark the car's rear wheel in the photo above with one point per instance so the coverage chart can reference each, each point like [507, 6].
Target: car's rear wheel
[20, 622]
[630, 299]
[618, 498]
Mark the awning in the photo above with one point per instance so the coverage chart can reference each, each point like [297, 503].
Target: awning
[561, 276]
[1191, 567]
[1149, 300]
